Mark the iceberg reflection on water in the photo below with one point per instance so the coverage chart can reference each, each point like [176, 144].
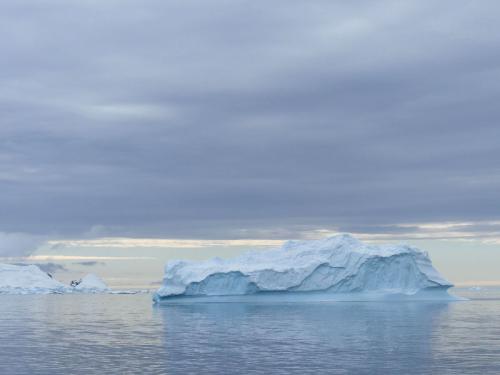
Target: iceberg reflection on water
[302, 337]
[124, 334]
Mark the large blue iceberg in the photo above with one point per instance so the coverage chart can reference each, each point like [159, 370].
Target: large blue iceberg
[333, 268]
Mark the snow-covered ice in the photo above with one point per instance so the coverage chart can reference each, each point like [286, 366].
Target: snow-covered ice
[28, 279]
[92, 283]
[334, 266]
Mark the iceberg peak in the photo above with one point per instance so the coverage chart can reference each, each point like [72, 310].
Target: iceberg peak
[343, 239]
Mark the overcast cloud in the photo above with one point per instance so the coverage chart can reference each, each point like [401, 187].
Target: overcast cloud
[247, 119]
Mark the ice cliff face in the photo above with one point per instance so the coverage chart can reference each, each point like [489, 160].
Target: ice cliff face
[27, 280]
[339, 264]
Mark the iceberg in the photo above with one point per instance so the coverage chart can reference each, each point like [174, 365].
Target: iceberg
[91, 284]
[30, 279]
[27, 279]
[335, 268]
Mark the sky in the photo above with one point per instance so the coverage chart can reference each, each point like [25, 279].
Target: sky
[248, 120]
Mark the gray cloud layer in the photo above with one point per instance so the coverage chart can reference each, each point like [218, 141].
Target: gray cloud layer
[90, 263]
[246, 119]
[46, 267]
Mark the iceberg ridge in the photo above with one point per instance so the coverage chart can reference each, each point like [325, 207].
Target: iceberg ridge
[334, 266]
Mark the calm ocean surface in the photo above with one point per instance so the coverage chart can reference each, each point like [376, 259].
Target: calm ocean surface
[125, 334]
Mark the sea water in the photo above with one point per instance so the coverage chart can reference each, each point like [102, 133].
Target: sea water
[126, 334]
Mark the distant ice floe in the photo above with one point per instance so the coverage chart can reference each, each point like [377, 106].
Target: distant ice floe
[30, 279]
[336, 268]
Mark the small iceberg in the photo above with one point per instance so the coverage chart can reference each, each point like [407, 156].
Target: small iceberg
[90, 284]
[335, 268]
[29, 279]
